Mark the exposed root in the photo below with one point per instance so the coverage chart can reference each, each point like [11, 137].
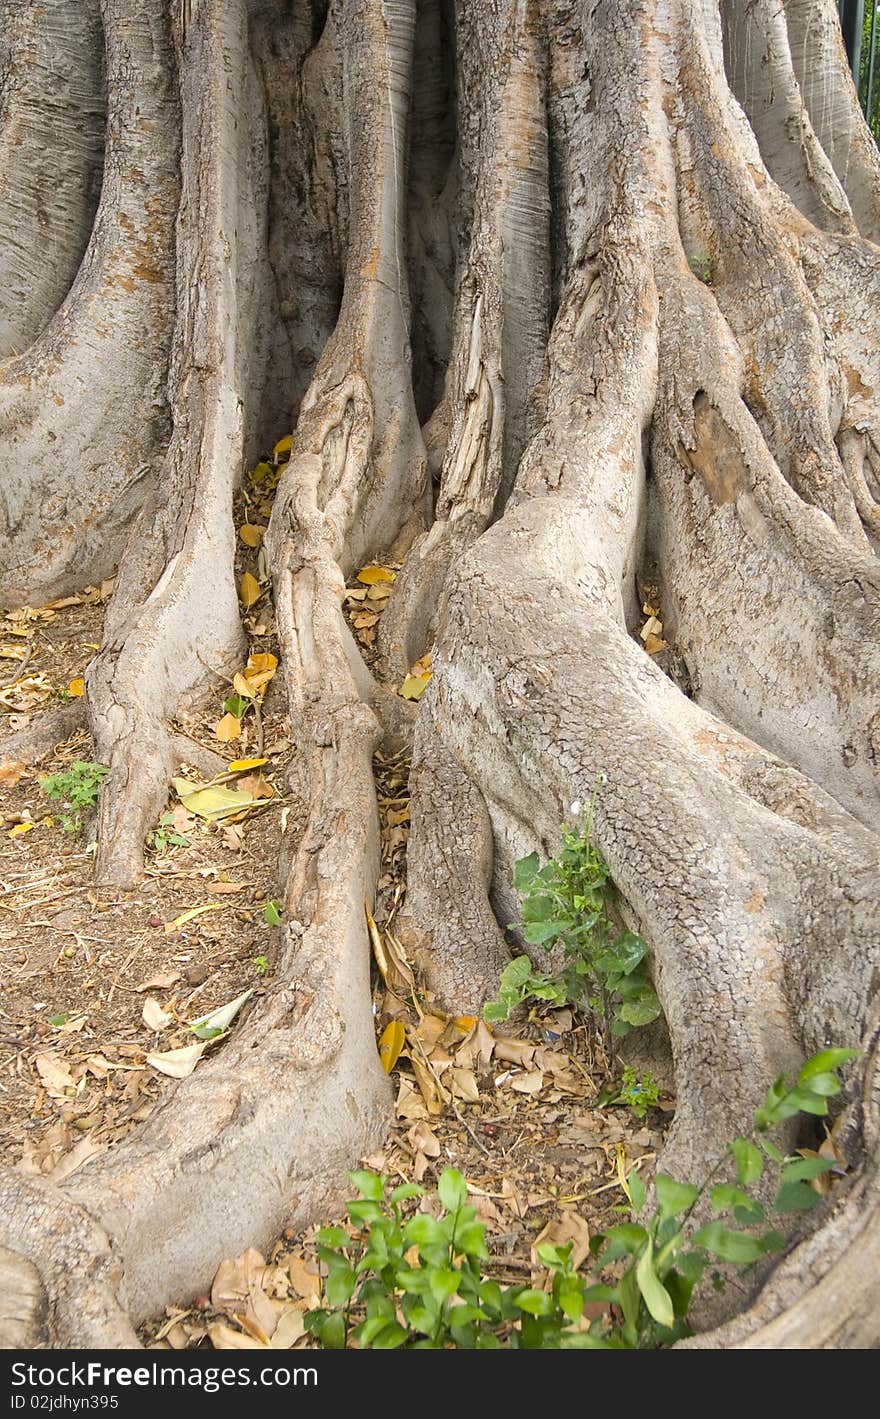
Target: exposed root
[38, 739]
[77, 460]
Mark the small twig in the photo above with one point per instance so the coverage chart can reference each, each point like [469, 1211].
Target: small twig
[20, 666]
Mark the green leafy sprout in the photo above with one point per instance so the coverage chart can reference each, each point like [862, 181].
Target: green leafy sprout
[701, 265]
[638, 1090]
[164, 836]
[569, 901]
[77, 788]
[417, 1282]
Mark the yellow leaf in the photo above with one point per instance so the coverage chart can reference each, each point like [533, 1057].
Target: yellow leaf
[414, 686]
[77, 688]
[262, 664]
[239, 765]
[251, 534]
[390, 1044]
[227, 728]
[370, 575]
[172, 926]
[241, 687]
[259, 671]
[211, 803]
[283, 445]
[20, 828]
[249, 590]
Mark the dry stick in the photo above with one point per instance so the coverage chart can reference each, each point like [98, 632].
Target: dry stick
[20, 666]
[125, 965]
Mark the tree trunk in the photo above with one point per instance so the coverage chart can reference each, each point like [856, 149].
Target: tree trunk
[570, 298]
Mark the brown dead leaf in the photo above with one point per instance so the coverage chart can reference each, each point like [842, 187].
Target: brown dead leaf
[530, 1083]
[409, 1104]
[256, 785]
[163, 981]
[291, 1327]
[514, 1051]
[476, 1050]
[80, 1153]
[11, 771]
[304, 1281]
[421, 1137]
[429, 1029]
[430, 1089]
[225, 1337]
[512, 1198]
[234, 1280]
[464, 1085]
[569, 1226]
[55, 1075]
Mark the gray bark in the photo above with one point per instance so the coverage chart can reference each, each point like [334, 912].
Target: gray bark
[604, 275]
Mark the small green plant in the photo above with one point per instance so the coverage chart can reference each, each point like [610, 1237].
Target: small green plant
[272, 913]
[419, 1282]
[568, 900]
[77, 788]
[163, 838]
[701, 265]
[261, 965]
[637, 1090]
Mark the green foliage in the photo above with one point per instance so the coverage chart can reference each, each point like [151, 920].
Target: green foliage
[272, 913]
[77, 788]
[418, 1282]
[163, 838]
[701, 265]
[569, 900]
[261, 965]
[638, 1090]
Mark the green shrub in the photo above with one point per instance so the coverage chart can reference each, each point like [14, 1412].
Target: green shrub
[418, 1282]
[568, 901]
[78, 789]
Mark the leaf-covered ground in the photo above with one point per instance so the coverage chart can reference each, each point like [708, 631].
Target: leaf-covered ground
[104, 990]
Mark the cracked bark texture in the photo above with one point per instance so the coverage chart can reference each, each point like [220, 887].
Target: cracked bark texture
[558, 295]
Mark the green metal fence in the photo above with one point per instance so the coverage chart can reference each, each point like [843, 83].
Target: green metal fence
[860, 20]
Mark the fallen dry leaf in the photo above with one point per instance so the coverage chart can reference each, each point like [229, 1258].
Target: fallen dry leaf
[11, 771]
[249, 590]
[225, 1337]
[227, 729]
[234, 1280]
[291, 1327]
[391, 1042]
[178, 1063]
[153, 1016]
[163, 981]
[374, 575]
[55, 1075]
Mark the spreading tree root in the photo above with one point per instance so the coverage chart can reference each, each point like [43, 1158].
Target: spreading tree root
[664, 353]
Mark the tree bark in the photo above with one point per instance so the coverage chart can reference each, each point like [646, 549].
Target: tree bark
[570, 299]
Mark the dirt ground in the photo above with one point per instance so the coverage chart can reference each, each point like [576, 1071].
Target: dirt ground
[101, 987]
